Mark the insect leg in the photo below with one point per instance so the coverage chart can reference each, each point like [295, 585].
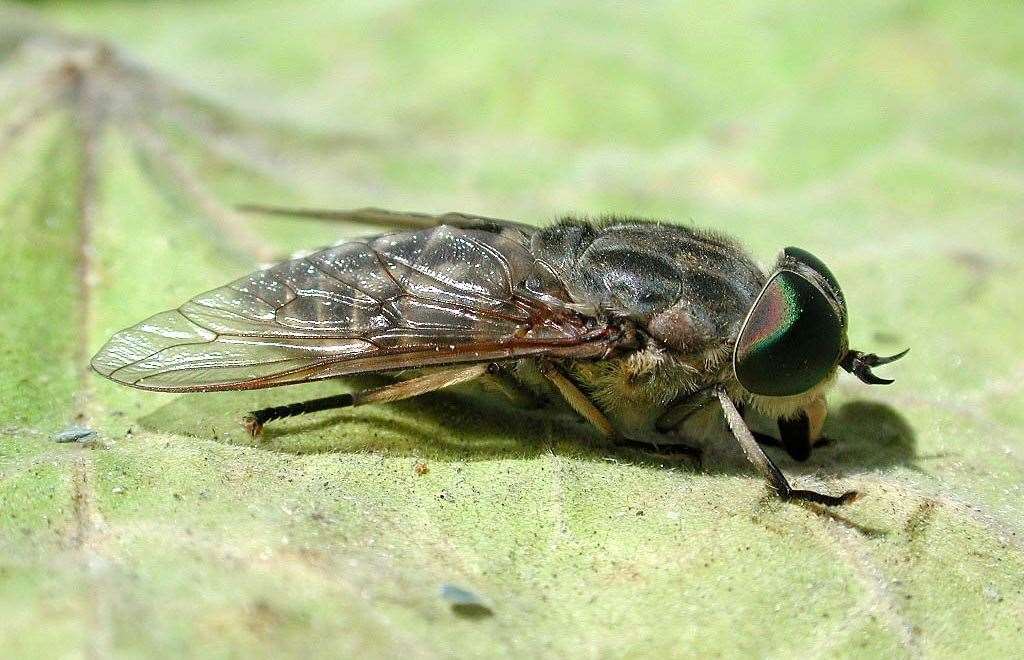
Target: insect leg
[667, 450]
[405, 389]
[255, 420]
[769, 440]
[766, 467]
[678, 412]
[582, 404]
[579, 401]
[800, 434]
[766, 439]
[502, 381]
[796, 436]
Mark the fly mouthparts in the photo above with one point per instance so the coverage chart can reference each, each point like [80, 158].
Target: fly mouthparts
[859, 364]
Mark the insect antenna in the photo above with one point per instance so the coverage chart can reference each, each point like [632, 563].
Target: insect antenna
[859, 364]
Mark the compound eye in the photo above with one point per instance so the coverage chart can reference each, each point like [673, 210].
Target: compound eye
[818, 266]
[791, 339]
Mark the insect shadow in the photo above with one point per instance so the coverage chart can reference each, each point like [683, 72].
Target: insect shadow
[464, 424]
[456, 423]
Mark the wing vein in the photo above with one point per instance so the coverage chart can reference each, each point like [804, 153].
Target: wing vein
[425, 298]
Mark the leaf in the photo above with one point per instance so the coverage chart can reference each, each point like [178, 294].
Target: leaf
[884, 138]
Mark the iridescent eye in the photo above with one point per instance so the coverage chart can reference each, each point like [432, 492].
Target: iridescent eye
[818, 266]
[791, 339]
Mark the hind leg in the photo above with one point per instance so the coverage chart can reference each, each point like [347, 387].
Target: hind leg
[405, 389]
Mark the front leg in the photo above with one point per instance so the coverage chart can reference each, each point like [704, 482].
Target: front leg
[766, 467]
[795, 433]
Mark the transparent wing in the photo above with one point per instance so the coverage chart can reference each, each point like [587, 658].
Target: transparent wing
[394, 219]
[430, 297]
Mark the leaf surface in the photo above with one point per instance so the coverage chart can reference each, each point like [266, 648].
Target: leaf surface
[885, 138]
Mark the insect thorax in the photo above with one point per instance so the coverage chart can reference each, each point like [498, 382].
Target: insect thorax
[687, 289]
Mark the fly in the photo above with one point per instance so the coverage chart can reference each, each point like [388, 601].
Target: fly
[650, 331]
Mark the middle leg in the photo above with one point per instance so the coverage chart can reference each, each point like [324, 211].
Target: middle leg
[582, 404]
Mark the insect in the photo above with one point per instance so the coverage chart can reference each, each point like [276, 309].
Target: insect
[649, 331]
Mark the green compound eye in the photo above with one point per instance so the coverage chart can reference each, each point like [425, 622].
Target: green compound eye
[791, 339]
[818, 266]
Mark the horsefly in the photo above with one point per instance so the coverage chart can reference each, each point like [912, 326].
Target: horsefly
[650, 331]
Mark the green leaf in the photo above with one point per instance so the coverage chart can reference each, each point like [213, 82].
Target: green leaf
[884, 137]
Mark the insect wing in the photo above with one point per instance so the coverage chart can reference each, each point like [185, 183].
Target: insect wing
[394, 219]
[430, 297]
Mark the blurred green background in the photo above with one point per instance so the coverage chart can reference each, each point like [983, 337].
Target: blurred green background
[887, 137]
